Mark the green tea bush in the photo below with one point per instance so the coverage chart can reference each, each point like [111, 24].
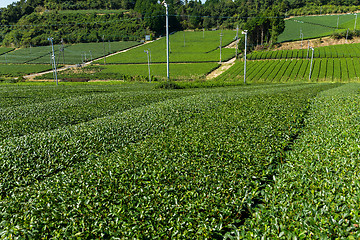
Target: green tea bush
[315, 193]
[190, 167]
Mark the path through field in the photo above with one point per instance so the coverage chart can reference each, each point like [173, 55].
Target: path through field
[224, 66]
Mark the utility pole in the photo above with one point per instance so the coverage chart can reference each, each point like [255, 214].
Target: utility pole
[312, 57]
[148, 57]
[103, 37]
[203, 32]
[337, 25]
[220, 44]
[245, 32]
[347, 35]
[167, 40]
[53, 58]
[302, 38]
[355, 21]
[30, 48]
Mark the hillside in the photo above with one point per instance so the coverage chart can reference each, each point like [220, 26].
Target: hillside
[74, 27]
[33, 21]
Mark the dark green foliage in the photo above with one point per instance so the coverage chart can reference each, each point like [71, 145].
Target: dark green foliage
[75, 28]
[168, 85]
[324, 69]
[265, 28]
[342, 35]
[14, 70]
[34, 21]
[326, 7]
[333, 51]
[315, 193]
[187, 167]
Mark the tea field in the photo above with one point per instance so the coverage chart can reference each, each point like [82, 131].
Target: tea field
[72, 54]
[18, 70]
[198, 46]
[4, 50]
[196, 53]
[334, 51]
[316, 26]
[131, 161]
[326, 69]
[138, 72]
[315, 193]
[336, 63]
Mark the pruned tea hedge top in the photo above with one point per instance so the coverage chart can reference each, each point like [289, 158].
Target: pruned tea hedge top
[187, 167]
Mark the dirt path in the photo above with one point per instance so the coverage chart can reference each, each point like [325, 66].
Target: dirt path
[32, 76]
[224, 66]
[318, 42]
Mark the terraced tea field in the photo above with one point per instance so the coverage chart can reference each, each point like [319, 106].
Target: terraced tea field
[316, 26]
[336, 63]
[131, 161]
[195, 54]
[327, 69]
[16, 70]
[334, 51]
[198, 47]
[73, 54]
[138, 72]
[4, 50]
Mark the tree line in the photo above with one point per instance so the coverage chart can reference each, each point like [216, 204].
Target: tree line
[33, 21]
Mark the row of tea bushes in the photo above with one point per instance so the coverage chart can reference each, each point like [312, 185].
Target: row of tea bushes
[190, 167]
[315, 194]
[72, 110]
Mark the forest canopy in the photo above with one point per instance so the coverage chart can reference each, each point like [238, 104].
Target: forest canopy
[31, 22]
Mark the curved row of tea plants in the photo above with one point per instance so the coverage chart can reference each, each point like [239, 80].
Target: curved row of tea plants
[184, 168]
[326, 69]
[33, 93]
[39, 117]
[315, 194]
[61, 113]
[333, 51]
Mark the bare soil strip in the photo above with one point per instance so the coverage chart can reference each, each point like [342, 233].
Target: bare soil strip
[318, 42]
[224, 66]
